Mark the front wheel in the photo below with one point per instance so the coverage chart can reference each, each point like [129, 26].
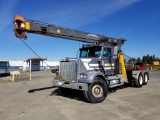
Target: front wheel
[97, 91]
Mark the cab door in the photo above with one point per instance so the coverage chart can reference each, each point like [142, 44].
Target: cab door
[108, 61]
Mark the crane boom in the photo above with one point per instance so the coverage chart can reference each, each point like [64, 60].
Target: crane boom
[22, 25]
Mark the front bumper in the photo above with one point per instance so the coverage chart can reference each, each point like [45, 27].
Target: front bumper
[71, 85]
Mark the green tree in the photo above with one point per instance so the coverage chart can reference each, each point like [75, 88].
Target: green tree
[133, 59]
[153, 57]
[139, 60]
[150, 59]
[144, 59]
[157, 59]
[147, 57]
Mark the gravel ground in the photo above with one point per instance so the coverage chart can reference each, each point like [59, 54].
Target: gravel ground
[39, 100]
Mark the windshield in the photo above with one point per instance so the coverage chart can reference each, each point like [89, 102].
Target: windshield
[90, 52]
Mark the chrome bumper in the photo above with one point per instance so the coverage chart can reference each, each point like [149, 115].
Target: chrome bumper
[71, 85]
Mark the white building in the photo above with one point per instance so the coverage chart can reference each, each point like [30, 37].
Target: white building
[39, 64]
[36, 64]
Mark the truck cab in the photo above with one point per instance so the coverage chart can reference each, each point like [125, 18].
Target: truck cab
[101, 57]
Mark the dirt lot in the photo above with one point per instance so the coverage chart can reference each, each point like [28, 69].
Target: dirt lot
[38, 100]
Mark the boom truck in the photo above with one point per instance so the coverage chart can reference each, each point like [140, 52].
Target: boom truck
[100, 64]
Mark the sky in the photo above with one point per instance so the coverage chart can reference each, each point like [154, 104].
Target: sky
[138, 21]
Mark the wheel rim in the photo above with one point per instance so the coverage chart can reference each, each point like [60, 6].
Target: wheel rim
[140, 80]
[146, 78]
[97, 91]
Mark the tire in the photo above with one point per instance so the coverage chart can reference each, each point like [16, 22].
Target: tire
[97, 91]
[64, 91]
[139, 82]
[86, 96]
[145, 78]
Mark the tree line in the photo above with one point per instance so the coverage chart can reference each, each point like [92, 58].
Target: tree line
[146, 59]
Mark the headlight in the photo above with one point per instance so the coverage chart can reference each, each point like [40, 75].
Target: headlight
[84, 76]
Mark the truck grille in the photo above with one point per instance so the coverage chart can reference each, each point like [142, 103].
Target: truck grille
[68, 70]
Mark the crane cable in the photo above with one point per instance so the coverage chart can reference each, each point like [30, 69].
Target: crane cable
[31, 49]
[65, 81]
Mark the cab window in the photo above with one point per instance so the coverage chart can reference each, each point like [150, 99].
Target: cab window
[106, 52]
[84, 53]
[90, 52]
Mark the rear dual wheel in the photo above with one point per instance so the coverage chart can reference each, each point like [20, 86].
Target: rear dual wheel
[142, 79]
[139, 82]
[146, 78]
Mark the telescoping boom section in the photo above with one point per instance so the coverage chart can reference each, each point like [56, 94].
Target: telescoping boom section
[100, 64]
[22, 25]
